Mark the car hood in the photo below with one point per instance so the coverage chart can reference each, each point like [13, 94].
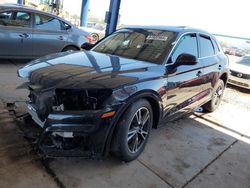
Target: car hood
[240, 68]
[86, 69]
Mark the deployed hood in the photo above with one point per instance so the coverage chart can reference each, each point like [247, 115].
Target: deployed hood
[86, 69]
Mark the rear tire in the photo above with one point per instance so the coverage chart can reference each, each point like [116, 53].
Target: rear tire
[132, 131]
[70, 48]
[218, 91]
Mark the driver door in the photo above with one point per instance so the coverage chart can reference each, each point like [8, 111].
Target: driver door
[184, 81]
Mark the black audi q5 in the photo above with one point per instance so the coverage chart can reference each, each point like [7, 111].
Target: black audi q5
[106, 98]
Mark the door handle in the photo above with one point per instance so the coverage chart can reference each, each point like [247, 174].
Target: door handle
[219, 67]
[24, 35]
[199, 73]
[60, 37]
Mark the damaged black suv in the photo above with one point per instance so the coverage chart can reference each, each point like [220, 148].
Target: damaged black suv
[107, 97]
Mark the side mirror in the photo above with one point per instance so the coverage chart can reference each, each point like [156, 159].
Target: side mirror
[87, 46]
[186, 59]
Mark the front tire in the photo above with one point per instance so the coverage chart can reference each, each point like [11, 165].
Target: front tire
[133, 131]
[218, 91]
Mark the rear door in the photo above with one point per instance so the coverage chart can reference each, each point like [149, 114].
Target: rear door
[49, 35]
[184, 81]
[209, 56]
[16, 34]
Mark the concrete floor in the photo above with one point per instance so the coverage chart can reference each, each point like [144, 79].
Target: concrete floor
[203, 150]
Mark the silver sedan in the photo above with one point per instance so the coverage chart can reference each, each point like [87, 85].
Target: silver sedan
[29, 33]
[240, 73]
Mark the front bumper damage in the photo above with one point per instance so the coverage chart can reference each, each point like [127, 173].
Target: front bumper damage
[73, 133]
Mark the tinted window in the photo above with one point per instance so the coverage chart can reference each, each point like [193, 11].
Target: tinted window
[245, 61]
[187, 44]
[141, 44]
[207, 48]
[216, 46]
[17, 19]
[47, 23]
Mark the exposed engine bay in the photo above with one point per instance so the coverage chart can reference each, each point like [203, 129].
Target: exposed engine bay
[63, 116]
[58, 100]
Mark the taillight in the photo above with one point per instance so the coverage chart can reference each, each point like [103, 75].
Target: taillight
[90, 39]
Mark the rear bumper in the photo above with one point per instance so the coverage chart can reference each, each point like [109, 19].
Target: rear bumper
[77, 134]
[241, 82]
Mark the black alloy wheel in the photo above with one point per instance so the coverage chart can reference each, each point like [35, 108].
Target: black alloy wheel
[132, 131]
[217, 95]
[138, 129]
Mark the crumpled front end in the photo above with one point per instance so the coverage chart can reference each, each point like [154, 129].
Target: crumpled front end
[75, 123]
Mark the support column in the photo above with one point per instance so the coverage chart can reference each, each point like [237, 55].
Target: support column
[112, 16]
[20, 2]
[84, 13]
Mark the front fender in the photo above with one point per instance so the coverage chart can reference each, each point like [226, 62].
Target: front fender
[150, 95]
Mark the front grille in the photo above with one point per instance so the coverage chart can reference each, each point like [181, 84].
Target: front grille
[236, 73]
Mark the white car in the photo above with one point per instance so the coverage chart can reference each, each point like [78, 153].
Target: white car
[96, 34]
[240, 73]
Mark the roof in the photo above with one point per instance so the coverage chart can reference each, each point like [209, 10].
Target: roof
[9, 6]
[178, 29]
[12, 5]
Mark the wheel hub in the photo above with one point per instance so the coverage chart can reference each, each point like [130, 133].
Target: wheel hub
[138, 129]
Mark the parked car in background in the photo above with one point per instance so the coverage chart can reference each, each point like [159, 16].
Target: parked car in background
[97, 31]
[230, 50]
[29, 33]
[107, 99]
[234, 51]
[240, 52]
[240, 72]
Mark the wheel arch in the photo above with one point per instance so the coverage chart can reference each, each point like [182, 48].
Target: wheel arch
[70, 45]
[156, 103]
[224, 78]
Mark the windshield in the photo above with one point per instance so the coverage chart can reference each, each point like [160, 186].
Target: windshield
[245, 61]
[140, 44]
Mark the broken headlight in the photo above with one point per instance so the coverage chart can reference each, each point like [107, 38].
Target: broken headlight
[72, 99]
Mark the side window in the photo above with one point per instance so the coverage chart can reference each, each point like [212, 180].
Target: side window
[16, 19]
[207, 48]
[47, 23]
[5, 18]
[66, 26]
[216, 46]
[187, 44]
